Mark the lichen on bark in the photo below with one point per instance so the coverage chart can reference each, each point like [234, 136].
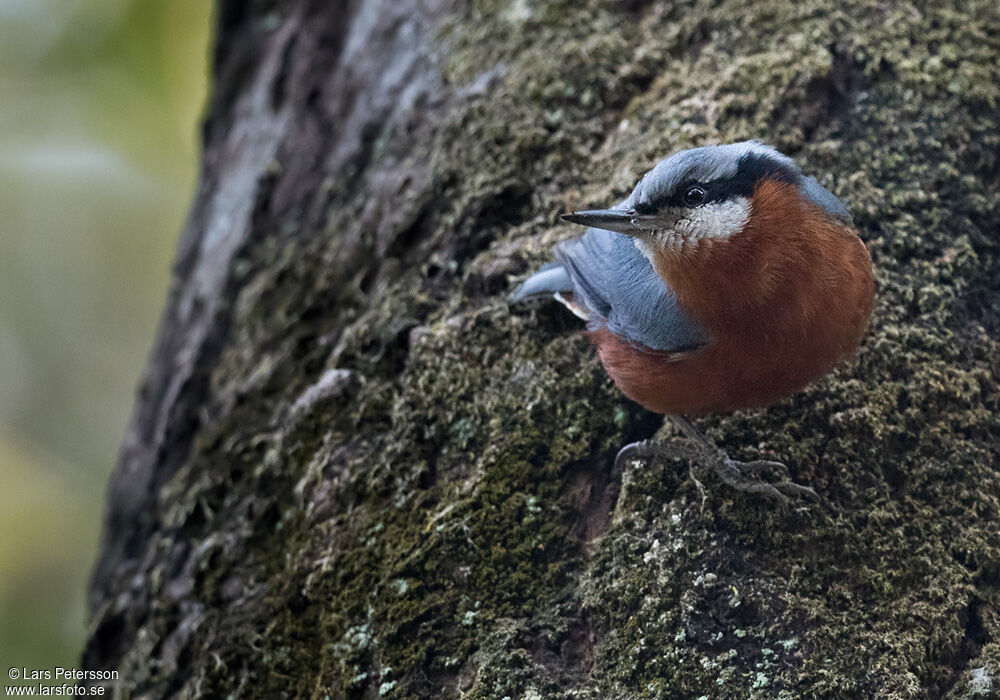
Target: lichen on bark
[354, 472]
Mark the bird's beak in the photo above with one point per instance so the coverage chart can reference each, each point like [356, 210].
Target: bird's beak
[617, 220]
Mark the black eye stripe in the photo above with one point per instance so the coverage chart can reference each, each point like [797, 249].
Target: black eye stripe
[752, 168]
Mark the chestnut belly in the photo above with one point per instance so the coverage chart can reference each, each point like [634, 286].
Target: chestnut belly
[725, 376]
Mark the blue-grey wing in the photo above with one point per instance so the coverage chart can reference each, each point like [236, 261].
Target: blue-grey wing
[617, 287]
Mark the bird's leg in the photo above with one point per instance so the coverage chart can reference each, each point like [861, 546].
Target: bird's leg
[742, 476]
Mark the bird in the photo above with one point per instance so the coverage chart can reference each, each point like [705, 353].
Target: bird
[727, 279]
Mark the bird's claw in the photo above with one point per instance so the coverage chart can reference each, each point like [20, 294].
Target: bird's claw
[647, 449]
[762, 465]
[636, 450]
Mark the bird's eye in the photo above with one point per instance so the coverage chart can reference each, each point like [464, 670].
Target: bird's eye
[694, 195]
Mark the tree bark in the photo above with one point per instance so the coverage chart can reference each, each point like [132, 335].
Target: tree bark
[354, 472]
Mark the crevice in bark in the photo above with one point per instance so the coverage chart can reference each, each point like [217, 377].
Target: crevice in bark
[974, 637]
[830, 98]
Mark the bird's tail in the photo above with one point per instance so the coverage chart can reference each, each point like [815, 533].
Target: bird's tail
[551, 279]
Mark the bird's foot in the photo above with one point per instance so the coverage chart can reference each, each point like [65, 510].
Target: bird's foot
[745, 476]
[749, 477]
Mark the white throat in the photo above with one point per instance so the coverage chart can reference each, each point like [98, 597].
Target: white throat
[688, 226]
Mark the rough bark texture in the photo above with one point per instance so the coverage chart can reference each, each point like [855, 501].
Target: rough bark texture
[354, 472]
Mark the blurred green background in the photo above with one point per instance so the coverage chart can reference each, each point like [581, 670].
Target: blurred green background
[99, 105]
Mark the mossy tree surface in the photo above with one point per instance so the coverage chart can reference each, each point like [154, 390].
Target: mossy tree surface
[354, 472]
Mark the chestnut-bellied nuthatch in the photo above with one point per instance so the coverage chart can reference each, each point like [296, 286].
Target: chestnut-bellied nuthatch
[727, 279]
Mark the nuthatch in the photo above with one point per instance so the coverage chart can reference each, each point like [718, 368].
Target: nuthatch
[727, 279]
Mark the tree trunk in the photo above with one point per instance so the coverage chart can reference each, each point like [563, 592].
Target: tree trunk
[354, 472]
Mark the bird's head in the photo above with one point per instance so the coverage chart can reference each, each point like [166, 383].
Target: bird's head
[702, 197]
